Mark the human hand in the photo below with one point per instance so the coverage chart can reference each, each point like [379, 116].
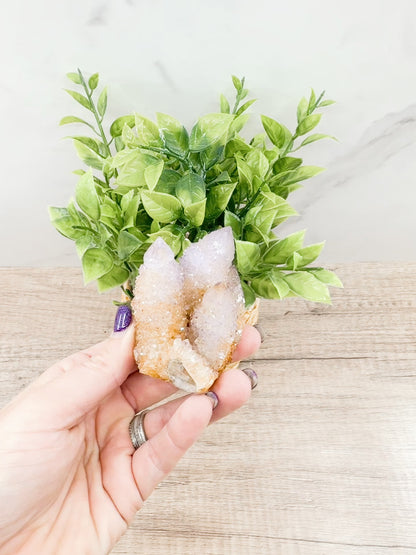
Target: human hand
[70, 480]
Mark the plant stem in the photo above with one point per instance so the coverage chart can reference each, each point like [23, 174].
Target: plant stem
[249, 204]
[94, 111]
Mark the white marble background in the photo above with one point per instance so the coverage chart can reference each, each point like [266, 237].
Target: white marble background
[176, 57]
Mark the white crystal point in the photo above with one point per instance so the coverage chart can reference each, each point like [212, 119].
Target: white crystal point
[208, 261]
[160, 276]
[214, 323]
[158, 254]
[158, 308]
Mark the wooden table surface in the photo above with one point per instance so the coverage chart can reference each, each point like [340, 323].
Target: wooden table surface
[322, 460]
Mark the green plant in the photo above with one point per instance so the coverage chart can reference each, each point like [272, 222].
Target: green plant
[158, 180]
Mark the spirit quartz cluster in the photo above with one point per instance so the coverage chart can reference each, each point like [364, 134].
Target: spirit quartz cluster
[188, 313]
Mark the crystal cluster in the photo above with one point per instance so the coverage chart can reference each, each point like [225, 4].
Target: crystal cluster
[188, 314]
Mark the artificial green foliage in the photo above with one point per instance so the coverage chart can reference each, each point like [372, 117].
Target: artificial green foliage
[157, 179]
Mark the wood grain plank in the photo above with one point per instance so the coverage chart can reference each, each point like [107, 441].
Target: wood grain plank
[322, 460]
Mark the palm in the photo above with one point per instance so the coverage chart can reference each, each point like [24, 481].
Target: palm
[87, 491]
[69, 475]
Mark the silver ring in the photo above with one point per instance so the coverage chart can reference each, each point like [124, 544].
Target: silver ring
[136, 430]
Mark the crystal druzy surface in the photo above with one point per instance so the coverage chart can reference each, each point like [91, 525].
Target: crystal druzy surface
[188, 314]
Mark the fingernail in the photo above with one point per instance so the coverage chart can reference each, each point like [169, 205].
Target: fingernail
[261, 332]
[123, 318]
[252, 376]
[213, 398]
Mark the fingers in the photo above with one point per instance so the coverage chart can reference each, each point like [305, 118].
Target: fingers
[232, 389]
[249, 343]
[153, 461]
[142, 391]
[77, 384]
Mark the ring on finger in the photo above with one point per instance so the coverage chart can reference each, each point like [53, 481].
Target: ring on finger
[136, 429]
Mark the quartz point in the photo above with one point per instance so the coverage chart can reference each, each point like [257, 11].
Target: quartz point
[189, 314]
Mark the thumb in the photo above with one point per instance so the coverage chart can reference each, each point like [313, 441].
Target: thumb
[77, 384]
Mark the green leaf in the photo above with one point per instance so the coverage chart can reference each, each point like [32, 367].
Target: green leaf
[105, 234]
[302, 173]
[284, 191]
[210, 156]
[129, 138]
[247, 254]
[131, 165]
[237, 82]
[259, 141]
[284, 212]
[83, 243]
[74, 119]
[316, 137]
[258, 163]
[223, 176]
[312, 101]
[95, 263]
[326, 103]
[327, 277]
[305, 285]
[236, 146]
[86, 196]
[208, 130]
[272, 154]
[173, 133]
[270, 286]
[277, 133]
[245, 106]
[195, 213]
[154, 227]
[102, 102]
[280, 250]
[152, 174]
[262, 215]
[308, 254]
[126, 244]
[308, 124]
[64, 222]
[167, 182]
[93, 81]
[249, 294]
[117, 126]
[233, 221]
[237, 124]
[88, 156]
[217, 199]
[87, 141]
[224, 105]
[172, 236]
[80, 98]
[244, 92]
[245, 174]
[161, 207]
[147, 131]
[77, 216]
[302, 110]
[118, 143]
[190, 189]
[115, 277]
[294, 261]
[74, 77]
[285, 164]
